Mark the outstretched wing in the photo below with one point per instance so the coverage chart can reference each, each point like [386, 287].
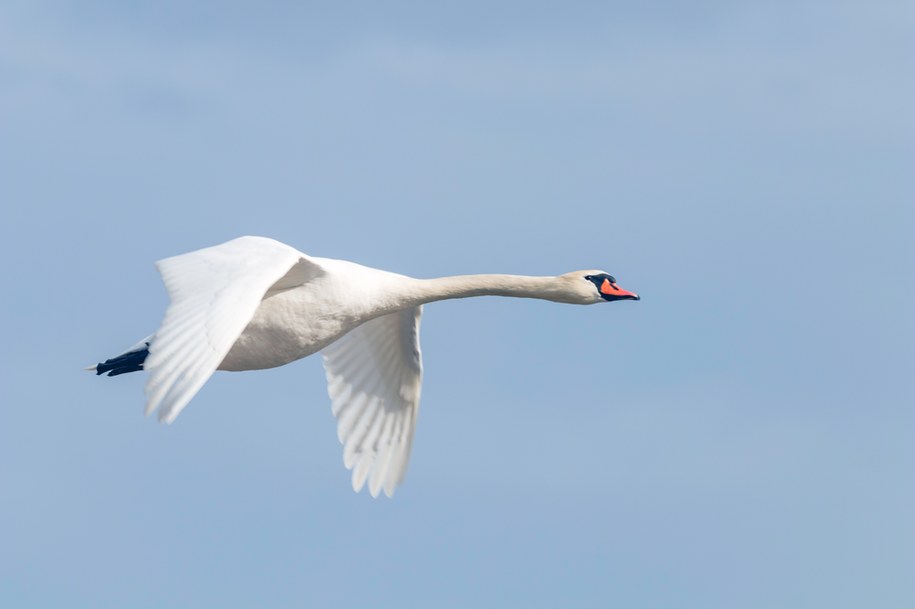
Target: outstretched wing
[214, 293]
[374, 377]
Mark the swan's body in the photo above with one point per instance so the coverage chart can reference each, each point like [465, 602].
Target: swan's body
[254, 303]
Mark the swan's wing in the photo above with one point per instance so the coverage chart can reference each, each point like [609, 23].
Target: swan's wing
[214, 293]
[374, 377]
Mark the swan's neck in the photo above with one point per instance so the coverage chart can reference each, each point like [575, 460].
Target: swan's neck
[466, 286]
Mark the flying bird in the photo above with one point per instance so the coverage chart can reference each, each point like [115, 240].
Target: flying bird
[253, 303]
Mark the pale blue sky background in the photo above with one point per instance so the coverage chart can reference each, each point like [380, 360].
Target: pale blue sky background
[741, 438]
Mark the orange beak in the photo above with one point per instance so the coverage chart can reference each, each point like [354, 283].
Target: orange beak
[615, 292]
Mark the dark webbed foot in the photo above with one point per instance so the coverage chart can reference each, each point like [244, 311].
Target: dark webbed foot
[122, 364]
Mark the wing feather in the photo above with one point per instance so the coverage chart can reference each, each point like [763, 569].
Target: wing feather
[214, 293]
[374, 378]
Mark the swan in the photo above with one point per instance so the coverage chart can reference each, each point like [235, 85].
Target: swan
[253, 303]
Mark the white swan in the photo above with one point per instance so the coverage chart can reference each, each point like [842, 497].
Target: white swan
[254, 303]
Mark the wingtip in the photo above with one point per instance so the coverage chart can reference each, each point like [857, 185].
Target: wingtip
[167, 416]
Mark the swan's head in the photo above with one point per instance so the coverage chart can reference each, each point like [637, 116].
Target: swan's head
[598, 286]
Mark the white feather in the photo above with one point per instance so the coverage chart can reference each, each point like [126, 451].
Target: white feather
[374, 376]
[214, 294]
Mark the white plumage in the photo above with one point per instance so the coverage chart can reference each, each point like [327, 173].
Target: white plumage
[374, 378]
[254, 303]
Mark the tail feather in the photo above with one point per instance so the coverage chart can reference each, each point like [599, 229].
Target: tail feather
[131, 361]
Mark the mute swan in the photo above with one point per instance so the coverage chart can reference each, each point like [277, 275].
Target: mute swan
[254, 303]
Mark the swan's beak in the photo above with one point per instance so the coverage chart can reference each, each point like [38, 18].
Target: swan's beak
[610, 292]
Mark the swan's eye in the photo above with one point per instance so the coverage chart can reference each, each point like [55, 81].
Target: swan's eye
[589, 277]
[612, 279]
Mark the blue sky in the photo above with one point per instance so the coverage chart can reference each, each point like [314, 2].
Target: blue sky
[742, 437]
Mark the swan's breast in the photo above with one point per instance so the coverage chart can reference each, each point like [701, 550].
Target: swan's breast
[293, 324]
[288, 326]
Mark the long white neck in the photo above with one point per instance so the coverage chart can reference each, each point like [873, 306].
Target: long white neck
[421, 291]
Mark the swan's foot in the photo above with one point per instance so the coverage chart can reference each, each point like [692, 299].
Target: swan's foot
[132, 361]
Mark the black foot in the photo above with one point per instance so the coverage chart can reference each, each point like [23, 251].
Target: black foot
[122, 364]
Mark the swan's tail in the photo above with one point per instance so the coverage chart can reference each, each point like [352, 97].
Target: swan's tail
[129, 361]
